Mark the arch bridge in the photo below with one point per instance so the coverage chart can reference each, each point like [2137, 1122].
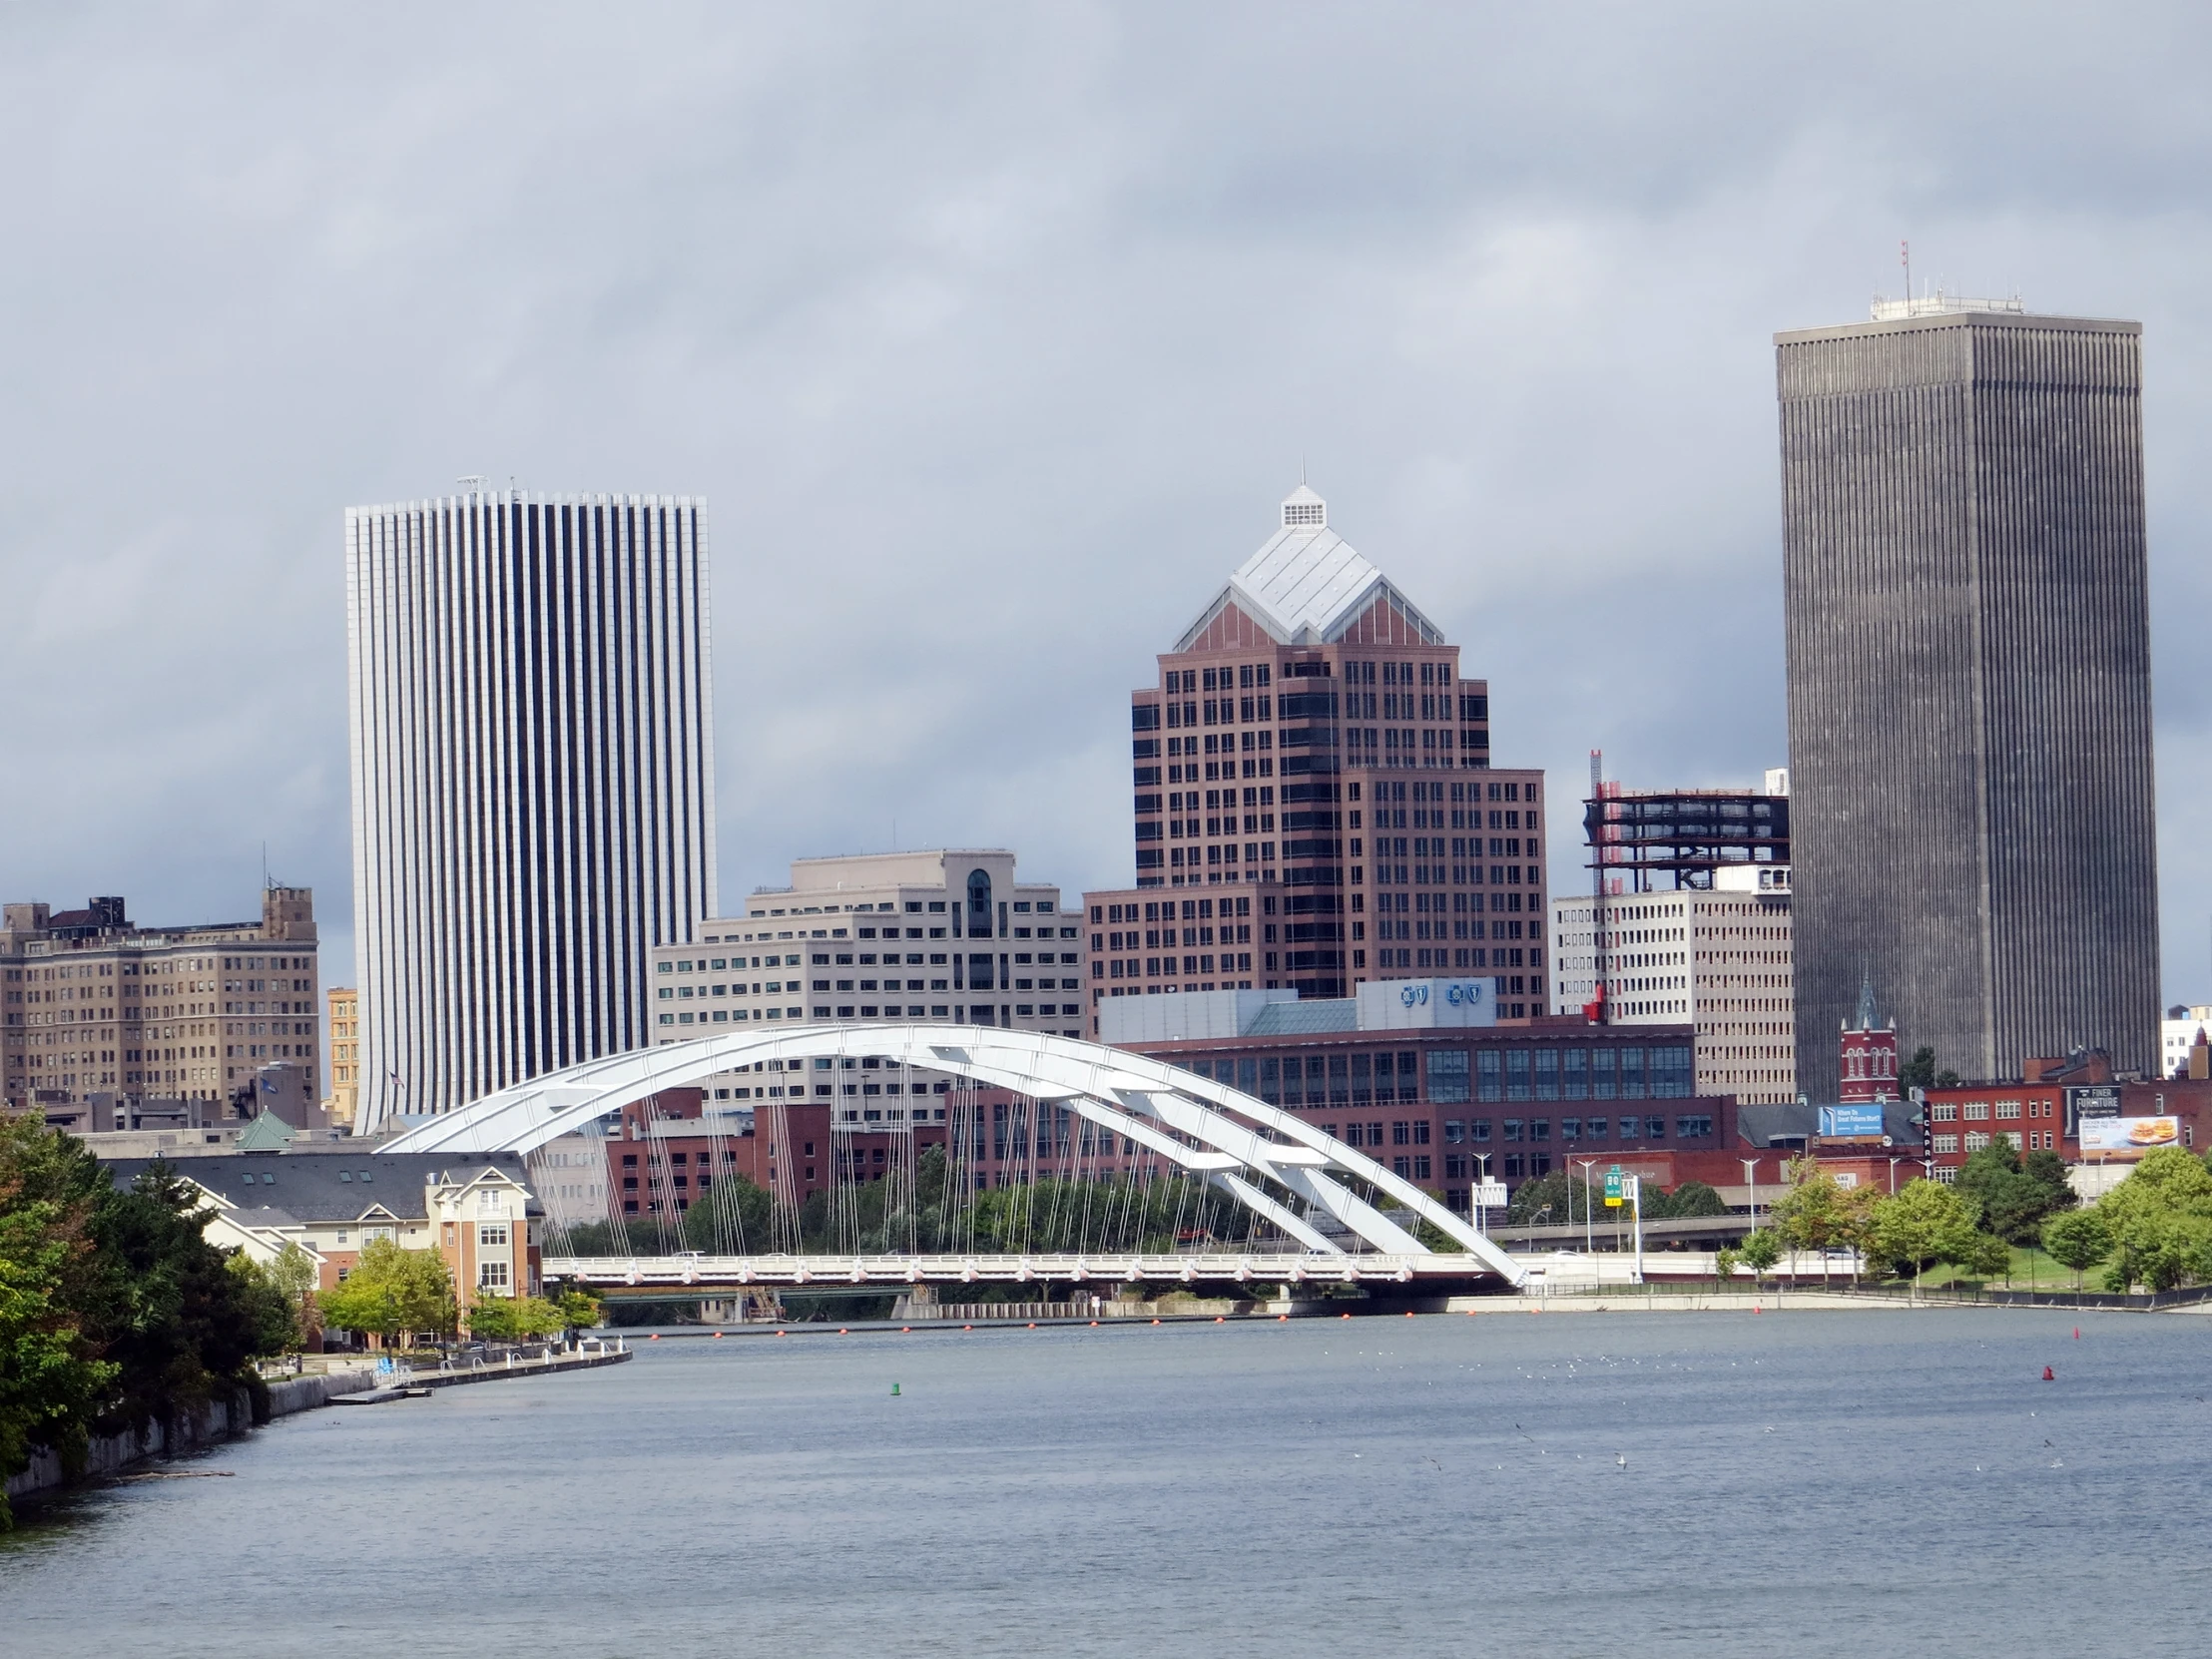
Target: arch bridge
[1238, 1145]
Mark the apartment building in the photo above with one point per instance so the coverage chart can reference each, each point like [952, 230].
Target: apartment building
[1717, 959]
[479, 1212]
[103, 1016]
[1310, 744]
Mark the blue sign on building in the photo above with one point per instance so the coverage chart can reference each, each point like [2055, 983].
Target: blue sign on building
[1845, 1122]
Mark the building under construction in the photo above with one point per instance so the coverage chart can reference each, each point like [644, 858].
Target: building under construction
[1688, 919]
[1652, 840]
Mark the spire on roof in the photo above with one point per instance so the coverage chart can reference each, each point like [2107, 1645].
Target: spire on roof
[1866, 1014]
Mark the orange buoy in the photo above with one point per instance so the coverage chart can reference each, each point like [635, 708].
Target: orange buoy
[1279, 1318]
[1032, 1325]
[653, 1338]
[1155, 1322]
[718, 1336]
[1408, 1313]
[843, 1331]
[2047, 1374]
[1216, 1318]
[905, 1329]
[782, 1332]
[1094, 1322]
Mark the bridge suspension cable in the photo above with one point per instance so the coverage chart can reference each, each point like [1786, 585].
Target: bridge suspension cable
[1219, 1146]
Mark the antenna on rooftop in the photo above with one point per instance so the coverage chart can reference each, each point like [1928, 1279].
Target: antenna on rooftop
[1904, 255]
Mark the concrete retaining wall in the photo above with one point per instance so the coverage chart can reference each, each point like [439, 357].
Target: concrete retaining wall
[223, 1419]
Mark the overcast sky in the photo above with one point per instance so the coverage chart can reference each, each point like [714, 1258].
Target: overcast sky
[993, 335]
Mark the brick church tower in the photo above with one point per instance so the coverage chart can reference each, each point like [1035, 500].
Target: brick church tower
[1870, 1054]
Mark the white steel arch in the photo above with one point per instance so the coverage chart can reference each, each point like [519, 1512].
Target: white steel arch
[1205, 1128]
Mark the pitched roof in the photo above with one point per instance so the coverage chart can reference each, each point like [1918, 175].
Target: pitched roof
[266, 1133]
[1307, 585]
[328, 1185]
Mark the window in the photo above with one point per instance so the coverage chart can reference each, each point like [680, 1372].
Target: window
[1488, 1085]
[1448, 1075]
[491, 1275]
[490, 1233]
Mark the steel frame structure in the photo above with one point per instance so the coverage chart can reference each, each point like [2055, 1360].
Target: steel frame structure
[1238, 1144]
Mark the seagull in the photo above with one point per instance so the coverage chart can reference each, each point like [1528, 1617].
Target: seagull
[1621, 1458]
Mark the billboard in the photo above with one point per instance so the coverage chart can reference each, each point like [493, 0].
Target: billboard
[2100, 1100]
[2129, 1134]
[1846, 1122]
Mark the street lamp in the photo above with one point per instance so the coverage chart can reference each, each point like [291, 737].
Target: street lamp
[1589, 1222]
[1482, 1180]
[1751, 1179]
[1893, 1162]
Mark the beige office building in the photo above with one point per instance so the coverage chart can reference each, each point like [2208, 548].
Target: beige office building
[343, 1102]
[100, 1014]
[1718, 958]
[953, 934]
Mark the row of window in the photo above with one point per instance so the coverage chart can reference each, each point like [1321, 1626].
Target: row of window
[1661, 1073]
[867, 1011]
[1981, 1111]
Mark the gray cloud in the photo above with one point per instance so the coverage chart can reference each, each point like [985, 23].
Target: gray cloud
[993, 335]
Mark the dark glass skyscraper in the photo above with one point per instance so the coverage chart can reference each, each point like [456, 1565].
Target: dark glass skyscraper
[1970, 685]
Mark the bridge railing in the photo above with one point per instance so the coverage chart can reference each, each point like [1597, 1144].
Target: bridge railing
[711, 1271]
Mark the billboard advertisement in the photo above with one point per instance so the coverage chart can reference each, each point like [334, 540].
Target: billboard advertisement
[2099, 1100]
[2129, 1134]
[1847, 1122]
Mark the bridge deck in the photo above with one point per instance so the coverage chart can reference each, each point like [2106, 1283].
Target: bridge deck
[710, 1272]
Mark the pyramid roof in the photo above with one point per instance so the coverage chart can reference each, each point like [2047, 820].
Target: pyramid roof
[1307, 585]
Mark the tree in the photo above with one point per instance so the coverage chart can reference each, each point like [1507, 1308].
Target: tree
[1724, 1263]
[1818, 1212]
[2160, 1220]
[733, 1215]
[390, 1291]
[513, 1318]
[579, 1310]
[1919, 1071]
[2078, 1238]
[2010, 1199]
[1690, 1200]
[1762, 1250]
[51, 1378]
[115, 1310]
[275, 1315]
[1924, 1223]
[294, 1273]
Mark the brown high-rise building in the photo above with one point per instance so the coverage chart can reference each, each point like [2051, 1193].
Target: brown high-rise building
[103, 1015]
[1313, 776]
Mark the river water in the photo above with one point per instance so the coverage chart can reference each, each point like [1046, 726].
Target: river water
[1794, 1483]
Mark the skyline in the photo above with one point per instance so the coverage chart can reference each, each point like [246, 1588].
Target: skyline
[1013, 358]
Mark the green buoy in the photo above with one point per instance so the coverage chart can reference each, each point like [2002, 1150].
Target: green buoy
[894, 1391]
